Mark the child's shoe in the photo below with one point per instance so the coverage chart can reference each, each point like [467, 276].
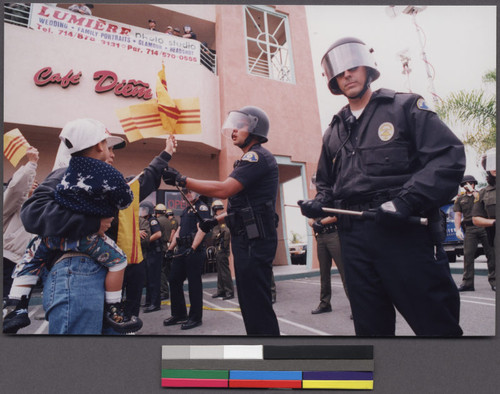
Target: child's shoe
[15, 315]
[116, 319]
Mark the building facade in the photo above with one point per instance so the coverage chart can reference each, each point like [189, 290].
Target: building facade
[60, 65]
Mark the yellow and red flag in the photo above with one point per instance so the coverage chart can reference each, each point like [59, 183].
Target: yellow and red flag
[14, 146]
[129, 238]
[140, 121]
[169, 113]
[190, 117]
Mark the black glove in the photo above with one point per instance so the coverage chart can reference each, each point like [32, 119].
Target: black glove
[393, 213]
[173, 177]
[169, 255]
[15, 315]
[318, 226]
[311, 208]
[187, 252]
[208, 224]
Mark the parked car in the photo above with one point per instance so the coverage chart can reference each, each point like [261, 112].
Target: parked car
[298, 253]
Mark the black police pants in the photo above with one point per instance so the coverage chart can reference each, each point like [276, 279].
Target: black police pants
[253, 260]
[387, 268]
[190, 268]
[133, 283]
[153, 277]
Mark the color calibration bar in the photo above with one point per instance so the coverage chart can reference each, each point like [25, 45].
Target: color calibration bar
[262, 366]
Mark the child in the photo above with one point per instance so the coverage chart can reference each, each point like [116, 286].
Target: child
[92, 187]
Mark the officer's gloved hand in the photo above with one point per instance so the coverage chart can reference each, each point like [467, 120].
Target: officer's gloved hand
[318, 226]
[187, 252]
[311, 208]
[169, 254]
[393, 213]
[208, 224]
[15, 315]
[460, 234]
[173, 177]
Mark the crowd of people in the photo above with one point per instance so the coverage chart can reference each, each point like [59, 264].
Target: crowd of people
[384, 154]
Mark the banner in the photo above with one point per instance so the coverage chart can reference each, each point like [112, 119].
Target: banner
[65, 23]
[14, 146]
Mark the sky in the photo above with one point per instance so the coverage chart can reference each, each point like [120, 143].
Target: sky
[459, 43]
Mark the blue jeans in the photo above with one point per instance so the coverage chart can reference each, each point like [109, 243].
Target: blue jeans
[73, 296]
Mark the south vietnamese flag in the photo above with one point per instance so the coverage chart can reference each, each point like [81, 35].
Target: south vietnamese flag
[129, 238]
[14, 146]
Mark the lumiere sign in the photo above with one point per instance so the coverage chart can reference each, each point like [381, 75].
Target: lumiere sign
[107, 81]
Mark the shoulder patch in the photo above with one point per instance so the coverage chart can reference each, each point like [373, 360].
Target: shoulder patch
[203, 207]
[251, 156]
[421, 104]
[154, 221]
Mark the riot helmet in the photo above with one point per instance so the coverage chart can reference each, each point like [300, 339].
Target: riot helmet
[169, 212]
[345, 54]
[251, 119]
[146, 208]
[489, 160]
[160, 208]
[217, 205]
[468, 179]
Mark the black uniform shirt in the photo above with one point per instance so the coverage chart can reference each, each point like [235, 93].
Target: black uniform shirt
[402, 148]
[155, 226]
[189, 219]
[257, 171]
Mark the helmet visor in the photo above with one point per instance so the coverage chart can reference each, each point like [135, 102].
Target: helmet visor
[345, 57]
[238, 121]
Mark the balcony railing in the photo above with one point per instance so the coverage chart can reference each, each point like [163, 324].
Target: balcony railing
[20, 14]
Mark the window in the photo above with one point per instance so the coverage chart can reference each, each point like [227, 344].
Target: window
[268, 44]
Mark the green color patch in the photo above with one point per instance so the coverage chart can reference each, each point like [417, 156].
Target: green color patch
[194, 374]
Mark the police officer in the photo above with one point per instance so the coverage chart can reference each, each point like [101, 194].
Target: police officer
[388, 152]
[221, 239]
[484, 210]
[471, 235]
[167, 231]
[188, 263]
[252, 188]
[153, 260]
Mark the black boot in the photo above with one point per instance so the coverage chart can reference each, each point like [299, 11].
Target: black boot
[15, 315]
[114, 317]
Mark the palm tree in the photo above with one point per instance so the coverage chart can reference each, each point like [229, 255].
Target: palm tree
[476, 110]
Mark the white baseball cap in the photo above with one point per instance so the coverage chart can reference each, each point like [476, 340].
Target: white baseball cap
[80, 134]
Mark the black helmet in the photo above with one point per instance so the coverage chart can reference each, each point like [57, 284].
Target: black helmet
[344, 54]
[468, 178]
[147, 208]
[253, 117]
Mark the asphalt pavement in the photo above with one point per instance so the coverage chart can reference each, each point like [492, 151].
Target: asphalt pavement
[297, 294]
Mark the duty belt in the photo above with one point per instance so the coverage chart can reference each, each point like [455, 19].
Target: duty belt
[330, 228]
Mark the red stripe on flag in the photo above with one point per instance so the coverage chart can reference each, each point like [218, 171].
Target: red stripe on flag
[15, 148]
[12, 144]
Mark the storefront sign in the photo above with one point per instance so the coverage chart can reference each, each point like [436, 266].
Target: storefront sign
[66, 23]
[45, 76]
[106, 81]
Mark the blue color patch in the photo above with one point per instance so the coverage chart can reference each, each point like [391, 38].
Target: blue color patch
[265, 375]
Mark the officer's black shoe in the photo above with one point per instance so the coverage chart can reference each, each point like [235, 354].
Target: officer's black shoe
[466, 288]
[173, 320]
[228, 296]
[321, 309]
[191, 324]
[217, 295]
[151, 308]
